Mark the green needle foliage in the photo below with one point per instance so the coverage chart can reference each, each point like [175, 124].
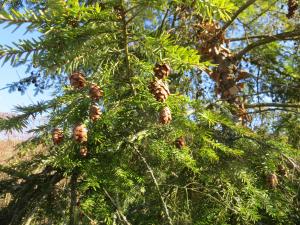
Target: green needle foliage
[134, 171]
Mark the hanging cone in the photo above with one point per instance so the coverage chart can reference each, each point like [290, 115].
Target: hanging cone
[80, 133]
[272, 180]
[95, 92]
[293, 6]
[95, 112]
[57, 136]
[165, 116]
[160, 90]
[162, 71]
[77, 80]
[83, 151]
[180, 142]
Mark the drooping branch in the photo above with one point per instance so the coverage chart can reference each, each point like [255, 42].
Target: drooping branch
[290, 35]
[237, 13]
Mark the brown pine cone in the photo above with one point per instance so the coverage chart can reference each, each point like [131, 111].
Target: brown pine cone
[95, 92]
[293, 6]
[162, 71]
[160, 90]
[77, 80]
[57, 136]
[83, 151]
[80, 133]
[180, 142]
[95, 112]
[272, 180]
[165, 116]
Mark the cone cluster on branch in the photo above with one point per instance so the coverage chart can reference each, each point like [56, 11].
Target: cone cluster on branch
[78, 81]
[57, 136]
[180, 142]
[228, 78]
[292, 8]
[160, 90]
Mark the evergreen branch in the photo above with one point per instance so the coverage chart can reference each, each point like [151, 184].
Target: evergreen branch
[125, 40]
[247, 38]
[21, 121]
[291, 35]
[237, 13]
[273, 109]
[17, 18]
[23, 47]
[285, 105]
[156, 184]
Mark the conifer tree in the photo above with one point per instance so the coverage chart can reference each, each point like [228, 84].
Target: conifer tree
[159, 113]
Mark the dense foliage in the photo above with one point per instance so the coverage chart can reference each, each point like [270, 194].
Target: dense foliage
[163, 112]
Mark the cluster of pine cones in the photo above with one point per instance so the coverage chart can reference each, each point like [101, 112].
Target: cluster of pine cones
[159, 88]
[78, 82]
[228, 78]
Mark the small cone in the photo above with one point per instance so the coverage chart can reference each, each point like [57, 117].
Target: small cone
[95, 113]
[180, 142]
[77, 80]
[160, 90]
[272, 180]
[162, 71]
[80, 133]
[165, 116]
[95, 92]
[83, 151]
[57, 136]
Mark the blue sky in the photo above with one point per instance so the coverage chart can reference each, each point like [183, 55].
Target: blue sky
[10, 74]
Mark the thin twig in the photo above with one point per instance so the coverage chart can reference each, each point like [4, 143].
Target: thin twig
[237, 13]
[163, 22]
[290, 35]
[119, 211]
[156, 185]
[285, 105]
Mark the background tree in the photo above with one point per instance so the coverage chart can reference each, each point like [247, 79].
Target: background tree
[161, 112]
